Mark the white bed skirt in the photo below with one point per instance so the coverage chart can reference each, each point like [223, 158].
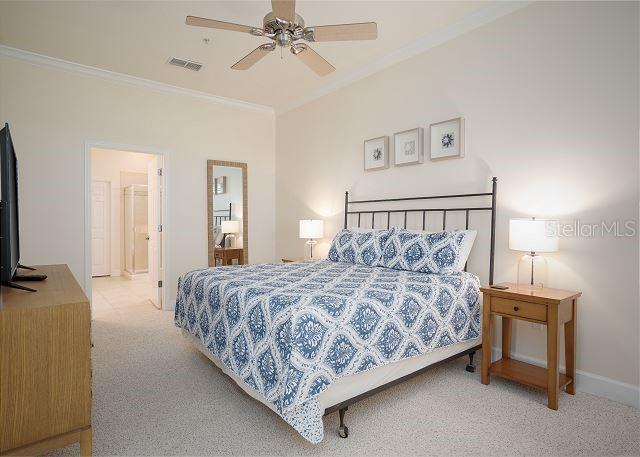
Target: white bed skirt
[353, 385]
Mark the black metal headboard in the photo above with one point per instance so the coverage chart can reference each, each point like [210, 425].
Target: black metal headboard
[217, 220]
[424, 212]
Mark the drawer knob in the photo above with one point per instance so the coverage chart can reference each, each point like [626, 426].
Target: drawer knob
[515, 308]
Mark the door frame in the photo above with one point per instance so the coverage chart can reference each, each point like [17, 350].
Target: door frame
[166, 220]
[108, 222]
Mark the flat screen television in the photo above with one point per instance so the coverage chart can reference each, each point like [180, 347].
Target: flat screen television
[9, 227]
[10, 238]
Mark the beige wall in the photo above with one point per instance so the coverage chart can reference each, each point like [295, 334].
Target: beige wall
[52, 114]
[550, 97]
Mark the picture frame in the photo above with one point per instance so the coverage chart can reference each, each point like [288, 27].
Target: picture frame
[219, 185]
[376, 153]
[407, 147]
[447, 139]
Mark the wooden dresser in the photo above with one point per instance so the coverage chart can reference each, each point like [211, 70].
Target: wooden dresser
[45, 366]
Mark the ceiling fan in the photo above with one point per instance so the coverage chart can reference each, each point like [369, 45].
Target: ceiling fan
[285, 28]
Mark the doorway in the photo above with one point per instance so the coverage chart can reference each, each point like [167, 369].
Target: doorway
[126, 229]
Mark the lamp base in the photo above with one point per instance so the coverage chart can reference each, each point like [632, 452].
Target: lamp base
[230, 240]
[309, 249]
[532, 270]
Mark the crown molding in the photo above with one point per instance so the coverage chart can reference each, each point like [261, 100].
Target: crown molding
[47, 61]
[464, 25]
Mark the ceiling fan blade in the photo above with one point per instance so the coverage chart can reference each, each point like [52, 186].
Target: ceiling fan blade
[313, 60]
[212, 23]
[345, 32]
[284, 9]
[253, 57]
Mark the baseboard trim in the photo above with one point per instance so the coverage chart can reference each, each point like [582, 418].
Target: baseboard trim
[589, 382]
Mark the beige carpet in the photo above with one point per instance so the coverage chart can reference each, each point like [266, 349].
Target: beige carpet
[153, 394]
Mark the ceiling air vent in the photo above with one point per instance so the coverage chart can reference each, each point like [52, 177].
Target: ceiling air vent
[193, 66]
[188, 64]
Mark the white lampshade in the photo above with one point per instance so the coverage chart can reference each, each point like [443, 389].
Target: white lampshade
[311, 228]
[230, 226]
[533, 235]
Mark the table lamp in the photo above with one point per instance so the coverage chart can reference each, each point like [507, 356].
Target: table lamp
[533, 236]
[230, 228]
[311, 229]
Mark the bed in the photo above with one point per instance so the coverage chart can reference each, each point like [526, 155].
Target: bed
[307, 339]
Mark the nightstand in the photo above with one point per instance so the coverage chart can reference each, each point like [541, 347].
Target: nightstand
[292, 259]
[550, 307]
[226, 256]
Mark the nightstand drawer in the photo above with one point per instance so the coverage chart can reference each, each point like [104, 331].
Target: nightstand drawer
[518, 308]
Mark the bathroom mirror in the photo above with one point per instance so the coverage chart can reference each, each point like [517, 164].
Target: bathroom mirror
[227, 213]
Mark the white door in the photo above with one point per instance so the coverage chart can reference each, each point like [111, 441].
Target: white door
[154, 182]
[100, 233]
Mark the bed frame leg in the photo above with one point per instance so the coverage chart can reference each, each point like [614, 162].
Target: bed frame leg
[343, 430]
[471, 368]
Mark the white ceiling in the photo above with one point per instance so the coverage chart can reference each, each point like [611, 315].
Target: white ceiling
[137, 38]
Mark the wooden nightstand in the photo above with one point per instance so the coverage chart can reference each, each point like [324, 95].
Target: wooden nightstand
[551, 307]
[292, 259]
[227, 255]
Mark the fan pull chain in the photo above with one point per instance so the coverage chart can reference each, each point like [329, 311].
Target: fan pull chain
[281, 56]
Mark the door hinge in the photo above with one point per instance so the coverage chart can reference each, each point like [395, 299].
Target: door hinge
[159, 283]
[159, 171]
[160, 228]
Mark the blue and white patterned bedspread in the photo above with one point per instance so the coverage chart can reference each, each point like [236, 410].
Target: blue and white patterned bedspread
[290, 330]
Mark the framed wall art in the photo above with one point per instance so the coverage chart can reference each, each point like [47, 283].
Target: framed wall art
[447, 139]
[376, 153]
[407, 147]
[220, 185]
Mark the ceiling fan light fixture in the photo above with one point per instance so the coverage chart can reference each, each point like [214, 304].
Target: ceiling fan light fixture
[298, 48]
[283, 38]
[283, 23]
[308, 34]
[285, 28]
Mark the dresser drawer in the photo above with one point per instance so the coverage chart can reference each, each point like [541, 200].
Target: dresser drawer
[517, 308]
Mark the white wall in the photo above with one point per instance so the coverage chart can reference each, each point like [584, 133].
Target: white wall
[109, 165]
[53, 112]
[550, 97]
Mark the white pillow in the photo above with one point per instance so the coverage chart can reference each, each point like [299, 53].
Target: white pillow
[465, 248]
[217, 235]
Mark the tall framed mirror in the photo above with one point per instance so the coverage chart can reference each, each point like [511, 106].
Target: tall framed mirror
[227, 213]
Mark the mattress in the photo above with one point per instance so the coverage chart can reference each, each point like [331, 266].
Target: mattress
[289, 332]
